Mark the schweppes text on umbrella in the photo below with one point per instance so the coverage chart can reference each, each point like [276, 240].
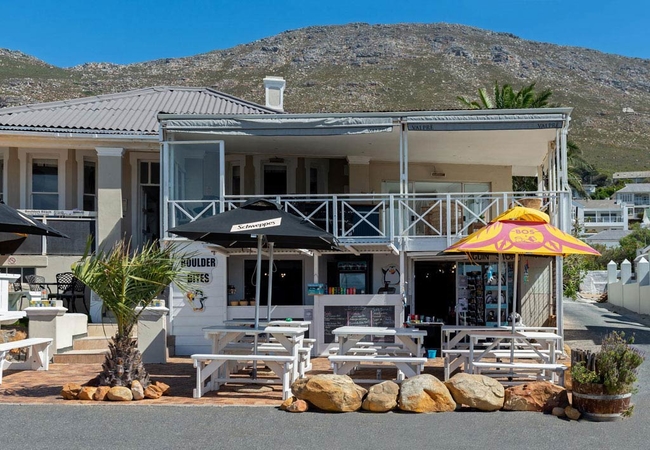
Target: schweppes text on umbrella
[256, 225]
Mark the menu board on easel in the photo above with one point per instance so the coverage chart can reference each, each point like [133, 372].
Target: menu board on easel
[362, 316]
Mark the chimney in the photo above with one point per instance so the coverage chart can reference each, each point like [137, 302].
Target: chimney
[274, 88]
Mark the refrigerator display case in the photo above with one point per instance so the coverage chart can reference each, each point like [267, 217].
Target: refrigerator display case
[481, 299]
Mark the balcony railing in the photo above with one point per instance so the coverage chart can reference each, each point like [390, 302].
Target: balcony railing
[377, 218]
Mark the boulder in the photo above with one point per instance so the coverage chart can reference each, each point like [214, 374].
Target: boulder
[86, 393]
[476, 391]
[558, 412]
[381, 397]
[120, 394]
[572, 413]
[334, 393]
[137, 390]
[535, 396]
[152, 392]
[101, 393]
[425, 393]
[164, 388]
[70, 391]
[298, 406]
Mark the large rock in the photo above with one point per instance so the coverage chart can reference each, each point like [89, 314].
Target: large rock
[476, 391]
[164, 388]
[381, 397]
[137, 390]
[334, 393]
[535, 396]
[87, 393]
[425, 393]
[152, 392]
[120, 394]
[70, 391]
[101, 393]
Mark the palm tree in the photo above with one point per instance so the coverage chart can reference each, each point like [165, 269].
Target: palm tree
[125, 279]
[506, 98]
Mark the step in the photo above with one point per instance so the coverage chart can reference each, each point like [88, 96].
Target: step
[91, 343]
[93, 356]
[105, 330]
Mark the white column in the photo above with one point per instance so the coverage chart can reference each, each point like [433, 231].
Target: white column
[109, 195]
[109, 209]
[626, 271]
[611, 272]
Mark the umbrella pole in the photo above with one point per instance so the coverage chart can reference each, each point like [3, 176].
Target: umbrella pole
[258, 281]
[270, 291]
[514, 308]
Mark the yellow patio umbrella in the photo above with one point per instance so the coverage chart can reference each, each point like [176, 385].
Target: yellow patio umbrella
[521, 231]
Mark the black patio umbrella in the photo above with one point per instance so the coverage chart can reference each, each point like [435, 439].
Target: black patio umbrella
[13, 221]
[251, 224]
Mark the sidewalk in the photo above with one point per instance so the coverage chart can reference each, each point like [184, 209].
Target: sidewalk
[40, 387]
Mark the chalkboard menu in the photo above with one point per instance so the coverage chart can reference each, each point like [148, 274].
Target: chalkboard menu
[361, 316]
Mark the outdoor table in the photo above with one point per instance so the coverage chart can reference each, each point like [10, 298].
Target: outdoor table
[521, 337]
[349, 336]
[291, 338]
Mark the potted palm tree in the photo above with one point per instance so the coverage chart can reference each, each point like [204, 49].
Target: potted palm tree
[603, 382]
[125, 278]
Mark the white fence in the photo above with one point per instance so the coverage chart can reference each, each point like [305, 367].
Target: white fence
[625, 290]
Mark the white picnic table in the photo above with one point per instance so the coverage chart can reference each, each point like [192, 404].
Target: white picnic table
[215, 365]
[348, 356]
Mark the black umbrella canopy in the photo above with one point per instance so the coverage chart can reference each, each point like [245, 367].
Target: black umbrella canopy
[240, 227]
[13, 221]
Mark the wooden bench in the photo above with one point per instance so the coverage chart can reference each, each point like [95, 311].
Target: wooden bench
[208, 365]
[517, 368]
[37, 355]
[407, 366]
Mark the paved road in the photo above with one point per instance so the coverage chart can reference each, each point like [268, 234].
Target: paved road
[109, 426]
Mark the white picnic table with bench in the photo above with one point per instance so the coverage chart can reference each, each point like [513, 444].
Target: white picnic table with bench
[37, 355]
[485, 349]
[230, 350]
[405, 354]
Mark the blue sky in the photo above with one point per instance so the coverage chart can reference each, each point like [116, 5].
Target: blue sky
[71, 32]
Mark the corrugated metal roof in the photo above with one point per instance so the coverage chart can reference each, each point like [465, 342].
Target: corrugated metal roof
[598, 204]
[132, 112]
[624, 175]
[613, 235]
[641, 188]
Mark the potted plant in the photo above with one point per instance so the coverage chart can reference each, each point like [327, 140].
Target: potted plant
[603, 382]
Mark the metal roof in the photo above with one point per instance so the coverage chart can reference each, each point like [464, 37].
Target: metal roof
[608, 235]
[598, 204]
[624, 175]
[634, 188]
[131, 112]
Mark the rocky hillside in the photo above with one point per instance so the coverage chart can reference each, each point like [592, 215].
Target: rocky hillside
[361, 67]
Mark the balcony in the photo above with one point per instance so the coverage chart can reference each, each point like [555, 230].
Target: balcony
[413, 222]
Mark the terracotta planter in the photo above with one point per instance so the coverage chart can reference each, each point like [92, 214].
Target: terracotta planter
[596, 405]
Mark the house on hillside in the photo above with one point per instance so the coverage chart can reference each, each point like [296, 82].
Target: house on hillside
[395, 188]
[637, 198]
[632, 177]
[593, 216]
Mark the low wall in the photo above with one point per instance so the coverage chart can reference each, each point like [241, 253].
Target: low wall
[630, 290]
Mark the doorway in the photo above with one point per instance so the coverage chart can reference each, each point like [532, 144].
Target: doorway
[435, 290]
[275, 179]
[149, 216]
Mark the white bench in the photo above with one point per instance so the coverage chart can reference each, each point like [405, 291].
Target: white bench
[517, 368]
[459, 358]
[37, 355]
[407, 366]
[207, 367]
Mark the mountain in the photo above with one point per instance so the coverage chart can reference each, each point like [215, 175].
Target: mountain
[362, 67]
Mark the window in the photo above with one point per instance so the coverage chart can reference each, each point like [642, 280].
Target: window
[90, 186]
[287, 282]
[45, 184]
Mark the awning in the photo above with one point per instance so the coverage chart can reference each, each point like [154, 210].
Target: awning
[478, 121]
[282, 126]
